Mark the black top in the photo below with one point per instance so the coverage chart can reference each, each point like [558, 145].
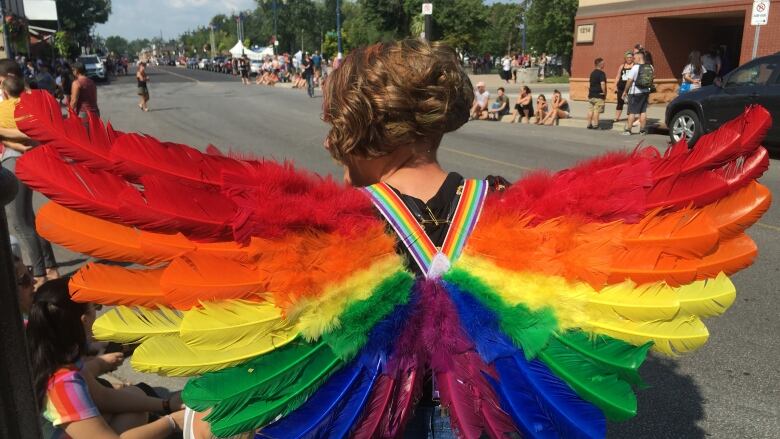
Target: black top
[141, 83]
[308, 67]
[596, 78]
[434, 216]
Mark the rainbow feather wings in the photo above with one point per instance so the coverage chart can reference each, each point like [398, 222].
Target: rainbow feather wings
[284, 292]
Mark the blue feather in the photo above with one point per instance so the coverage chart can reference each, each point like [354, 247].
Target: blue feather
[540, 403]
[334, 408]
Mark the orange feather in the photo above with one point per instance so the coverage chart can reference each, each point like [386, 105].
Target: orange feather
[115, 285]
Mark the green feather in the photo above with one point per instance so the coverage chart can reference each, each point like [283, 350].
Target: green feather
[251, 395]
[591, 381]
[246, 397]
[530, 330]
[360, 317]
[612, 354]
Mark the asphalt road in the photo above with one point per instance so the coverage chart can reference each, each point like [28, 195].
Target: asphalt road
[728, 389]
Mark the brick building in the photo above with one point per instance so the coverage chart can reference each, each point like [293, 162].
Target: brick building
[669, 29]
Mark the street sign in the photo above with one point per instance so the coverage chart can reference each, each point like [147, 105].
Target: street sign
[760, 15]
[427, 9]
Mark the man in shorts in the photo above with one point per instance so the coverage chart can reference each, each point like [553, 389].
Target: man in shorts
[638, 97]
[597, 92]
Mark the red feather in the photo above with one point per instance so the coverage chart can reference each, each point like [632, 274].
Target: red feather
[700, 189]
[473, 404]
[39, 116]
[167, 206]
[274, 199]
[135, 155]
[94, 193]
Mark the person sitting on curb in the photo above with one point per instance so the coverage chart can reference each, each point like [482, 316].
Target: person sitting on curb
[500, 107]
[524, 109]
[481, 97]
[541, 109]
[559, 109]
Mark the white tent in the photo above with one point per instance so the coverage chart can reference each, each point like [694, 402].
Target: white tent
[240, 50]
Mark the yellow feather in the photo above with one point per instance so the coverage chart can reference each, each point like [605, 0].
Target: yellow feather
[534, 290]
[648, 302]
[169, 355]
[130, 325]
[681, 334]
[317, 315]
[707, 298]
[230, 324]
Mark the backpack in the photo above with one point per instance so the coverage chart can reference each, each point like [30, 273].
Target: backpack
[645, 76]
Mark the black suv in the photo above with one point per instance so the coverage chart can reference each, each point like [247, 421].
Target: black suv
[700, 111]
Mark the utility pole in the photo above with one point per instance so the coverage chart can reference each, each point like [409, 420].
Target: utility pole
[276, 41]
[338, 29]
[211, 26]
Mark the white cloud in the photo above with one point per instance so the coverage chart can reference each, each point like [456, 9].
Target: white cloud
[146, 18]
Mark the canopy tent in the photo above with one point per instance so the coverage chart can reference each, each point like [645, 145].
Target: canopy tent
[240, 50]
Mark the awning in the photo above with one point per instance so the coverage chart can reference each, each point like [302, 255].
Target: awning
[35, 30]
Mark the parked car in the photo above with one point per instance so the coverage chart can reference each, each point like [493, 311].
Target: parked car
[204, 64]
[95, 67]
[255, 66]
[701, 111]
[216, 63]
[192, 63]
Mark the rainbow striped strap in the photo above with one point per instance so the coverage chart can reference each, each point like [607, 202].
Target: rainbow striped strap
[412, 235]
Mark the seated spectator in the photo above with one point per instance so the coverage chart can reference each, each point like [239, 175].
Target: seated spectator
[481, 98]
[524, 109]
[559, 109]
[500, 107]
[541, 109]
[72, 402]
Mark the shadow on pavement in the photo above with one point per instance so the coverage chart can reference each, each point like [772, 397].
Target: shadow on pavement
[670, 406]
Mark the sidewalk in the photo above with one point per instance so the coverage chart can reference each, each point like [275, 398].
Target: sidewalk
[579, 109]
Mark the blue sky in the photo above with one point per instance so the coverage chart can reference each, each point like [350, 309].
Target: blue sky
[146, 18]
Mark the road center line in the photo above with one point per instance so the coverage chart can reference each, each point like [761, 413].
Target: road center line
[488, 159]
[179, 75]
[769, 226]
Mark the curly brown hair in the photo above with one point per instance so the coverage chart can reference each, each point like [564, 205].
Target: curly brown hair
[392, 94]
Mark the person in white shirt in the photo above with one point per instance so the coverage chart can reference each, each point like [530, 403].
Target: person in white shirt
[694, 71]
[481, 98]
[506, 68]
[638, 97]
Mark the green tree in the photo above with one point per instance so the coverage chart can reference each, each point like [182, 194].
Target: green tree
[117, 44]
[550, 26]
[501, 33]
[78, 16]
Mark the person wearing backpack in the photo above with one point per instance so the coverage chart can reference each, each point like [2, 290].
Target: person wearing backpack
[638, 88]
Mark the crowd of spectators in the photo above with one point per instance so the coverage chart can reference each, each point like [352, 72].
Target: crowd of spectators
[511, 64]
[303, 70]
[525, 108]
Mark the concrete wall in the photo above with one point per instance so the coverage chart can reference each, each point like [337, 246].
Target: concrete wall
[669, 33]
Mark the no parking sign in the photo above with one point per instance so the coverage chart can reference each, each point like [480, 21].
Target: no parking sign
[760, 14]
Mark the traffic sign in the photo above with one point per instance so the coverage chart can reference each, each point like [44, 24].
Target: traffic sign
[427, 9]
[760, 15]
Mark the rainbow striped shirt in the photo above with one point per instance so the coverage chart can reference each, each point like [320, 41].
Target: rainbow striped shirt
[67, 400]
